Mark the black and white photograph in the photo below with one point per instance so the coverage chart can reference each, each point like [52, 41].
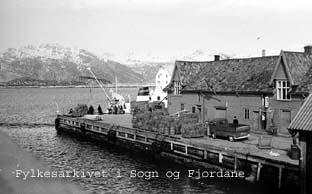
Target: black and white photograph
[155, 96]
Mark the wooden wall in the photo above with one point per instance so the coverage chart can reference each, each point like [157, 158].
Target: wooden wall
[215, 106]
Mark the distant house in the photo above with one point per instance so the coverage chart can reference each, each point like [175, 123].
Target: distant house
[163, 78]
[263, 91]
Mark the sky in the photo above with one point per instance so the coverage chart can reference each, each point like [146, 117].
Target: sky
[163, 28]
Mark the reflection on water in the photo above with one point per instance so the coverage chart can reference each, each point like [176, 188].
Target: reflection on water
[62, 152]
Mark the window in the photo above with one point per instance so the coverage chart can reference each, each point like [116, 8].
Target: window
[182, 106]
[282, 90]
[193, 109]
[158, 97]
[177, 88]
[246, 113]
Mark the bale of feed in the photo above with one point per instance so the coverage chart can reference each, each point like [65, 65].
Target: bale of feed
[135, 123]
[157, 112]
[172, 130]
[80, 110]
[143, 116]
[140, 124]
[188, 120]
[189, 115]
[178, 127]
[166, 131]
[193, 130]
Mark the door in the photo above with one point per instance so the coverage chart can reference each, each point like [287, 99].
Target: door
[285, 121]
[264, 121]
[255, 118]
[220, 113]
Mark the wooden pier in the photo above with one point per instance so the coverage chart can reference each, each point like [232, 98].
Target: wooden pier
[200, 151]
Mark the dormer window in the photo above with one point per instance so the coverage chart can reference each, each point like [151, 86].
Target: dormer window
[177, 88]
[282, 88]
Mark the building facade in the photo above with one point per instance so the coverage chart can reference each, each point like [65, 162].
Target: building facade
[163, 78]
[263, 92]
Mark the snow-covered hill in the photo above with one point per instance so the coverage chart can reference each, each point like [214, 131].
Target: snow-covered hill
[148, 65]
[61, 64]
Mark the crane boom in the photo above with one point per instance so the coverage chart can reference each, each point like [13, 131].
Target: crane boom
[107, 97]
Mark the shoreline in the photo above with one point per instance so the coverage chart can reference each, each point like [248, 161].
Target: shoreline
[79, 86]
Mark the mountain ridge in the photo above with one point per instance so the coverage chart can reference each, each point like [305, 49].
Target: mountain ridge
[54, 63]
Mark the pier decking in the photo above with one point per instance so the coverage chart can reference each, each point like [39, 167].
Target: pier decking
[202, 150]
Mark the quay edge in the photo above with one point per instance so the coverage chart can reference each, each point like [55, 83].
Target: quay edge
[259, 169]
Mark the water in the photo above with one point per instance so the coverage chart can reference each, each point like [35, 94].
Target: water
[26, 107]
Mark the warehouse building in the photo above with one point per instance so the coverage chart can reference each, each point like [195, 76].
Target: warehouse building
[264, 92]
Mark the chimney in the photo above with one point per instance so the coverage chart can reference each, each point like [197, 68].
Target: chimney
[217, 58]
[308, 50]
[263, 52]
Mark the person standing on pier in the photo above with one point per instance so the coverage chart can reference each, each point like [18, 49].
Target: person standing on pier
[235, 121]
[100, 111]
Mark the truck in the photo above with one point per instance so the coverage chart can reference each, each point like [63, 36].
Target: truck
[220, 127]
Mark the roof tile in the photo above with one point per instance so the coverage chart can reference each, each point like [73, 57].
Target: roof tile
[250, 74]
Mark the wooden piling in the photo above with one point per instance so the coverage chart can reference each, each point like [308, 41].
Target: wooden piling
[280, 171]
[259, 171]
[220, 158]
[235, 163]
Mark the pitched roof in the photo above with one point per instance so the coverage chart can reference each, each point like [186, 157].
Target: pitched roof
[244, 75]
[300, 67]
[249, 74]
[303, 119]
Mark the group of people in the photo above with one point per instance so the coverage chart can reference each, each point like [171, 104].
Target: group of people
[91, 110]
[116, 109]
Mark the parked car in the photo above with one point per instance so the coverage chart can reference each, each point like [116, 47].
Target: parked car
[220, 127]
